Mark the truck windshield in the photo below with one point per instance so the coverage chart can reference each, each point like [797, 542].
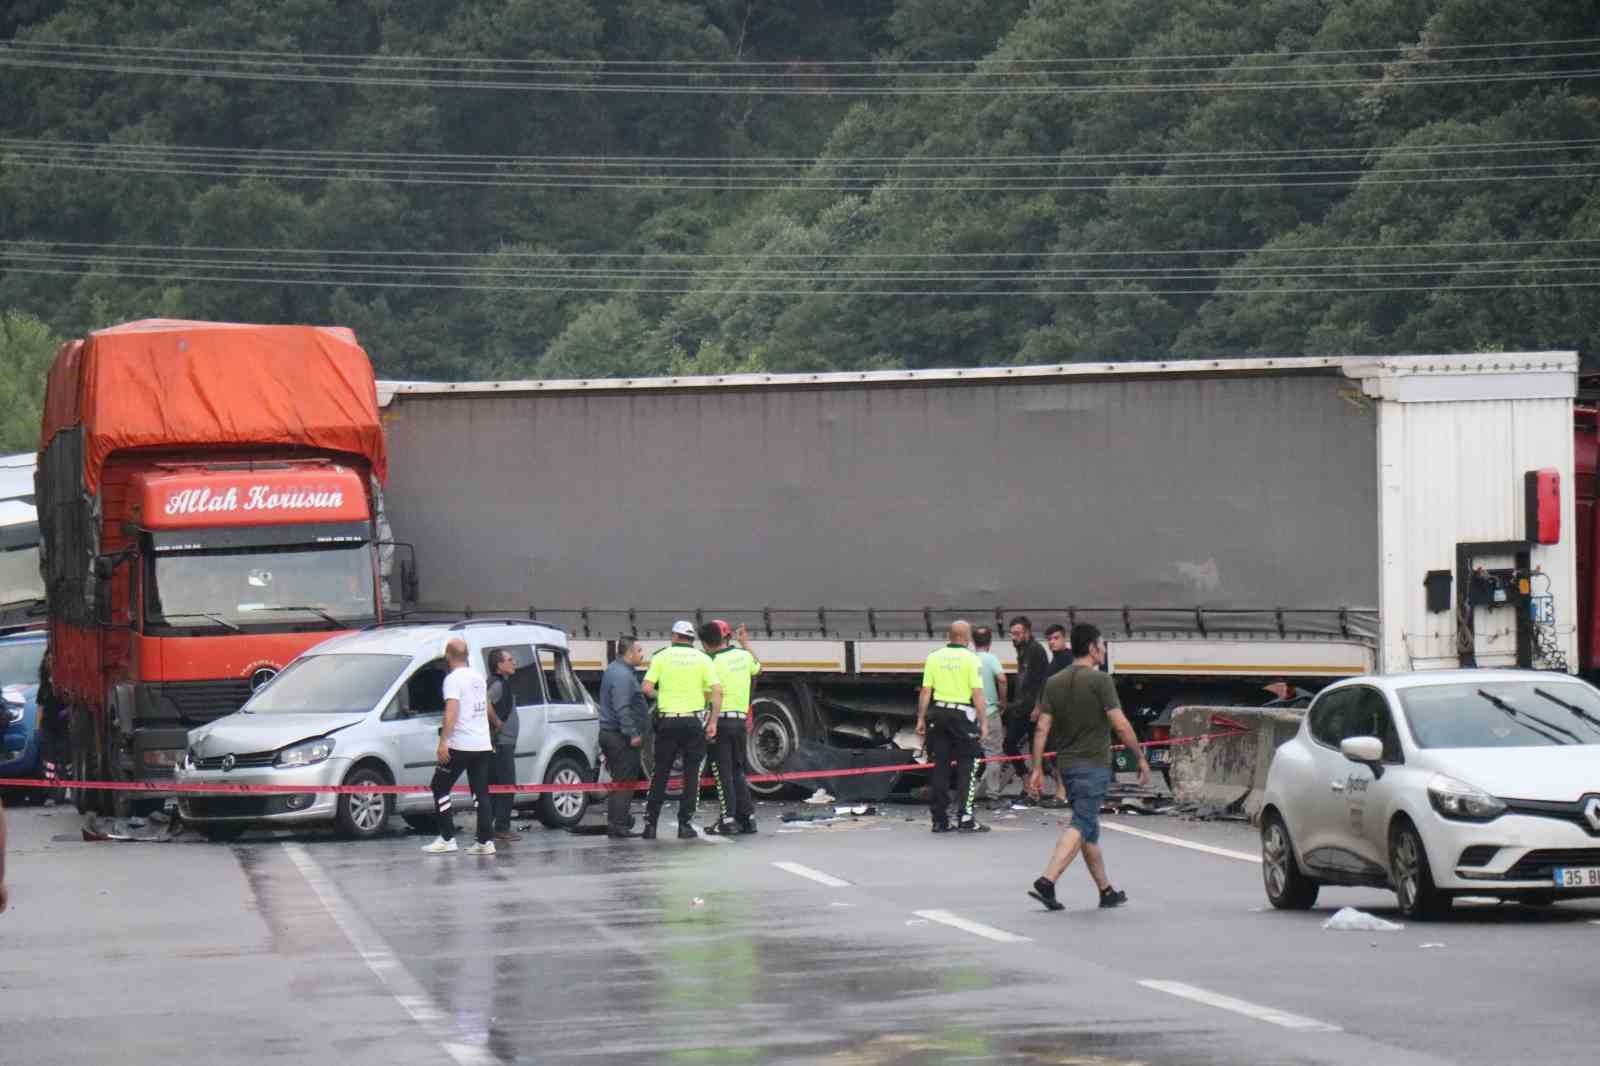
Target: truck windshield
[1521, 714]
[293, 587]
[329, 684]
[19, 662]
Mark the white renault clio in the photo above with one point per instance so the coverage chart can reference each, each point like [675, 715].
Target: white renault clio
[1437, 785]
[365, 709]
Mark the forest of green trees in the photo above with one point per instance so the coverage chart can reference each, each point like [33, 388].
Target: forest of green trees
[502, 188]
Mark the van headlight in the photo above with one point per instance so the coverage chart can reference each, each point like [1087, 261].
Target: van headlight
[14, 713]
[308, 753]
[1462, 802]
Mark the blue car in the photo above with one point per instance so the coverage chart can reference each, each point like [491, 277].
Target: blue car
[20, 754]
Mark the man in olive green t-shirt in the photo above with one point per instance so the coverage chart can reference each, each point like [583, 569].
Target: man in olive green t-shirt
[1080, 712]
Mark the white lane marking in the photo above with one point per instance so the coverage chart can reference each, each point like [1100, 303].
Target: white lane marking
[988, 932]
[1239, 1006]
[1179, 842]
[812, 875]
[406, 990]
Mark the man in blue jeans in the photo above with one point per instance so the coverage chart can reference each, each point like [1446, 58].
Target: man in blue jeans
[1081, 708]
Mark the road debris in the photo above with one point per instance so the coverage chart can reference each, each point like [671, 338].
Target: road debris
[697, 902]
[819, 797]
[1350, 920]
[131, 830]
[1425, 947]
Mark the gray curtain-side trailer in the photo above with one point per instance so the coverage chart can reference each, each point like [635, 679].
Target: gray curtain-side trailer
[1226, 522]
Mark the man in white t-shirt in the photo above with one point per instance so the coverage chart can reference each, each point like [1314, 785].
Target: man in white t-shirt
[464, 745]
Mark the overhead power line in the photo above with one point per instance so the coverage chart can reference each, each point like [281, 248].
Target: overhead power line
[1136, 253]
[176, 165]
[854, 292]
[1568, 264]
[1235, 79]
[643, 162]
[1397, 52]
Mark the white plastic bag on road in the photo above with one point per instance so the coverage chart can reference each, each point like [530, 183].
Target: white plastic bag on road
[1350, 920]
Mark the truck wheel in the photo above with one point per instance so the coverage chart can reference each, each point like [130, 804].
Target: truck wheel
[78, 733]
[363, 815]
[563, 810]
[774, 736]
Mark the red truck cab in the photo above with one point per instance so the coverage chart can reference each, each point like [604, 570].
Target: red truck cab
[206, 496]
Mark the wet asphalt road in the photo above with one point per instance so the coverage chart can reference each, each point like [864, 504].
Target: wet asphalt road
[578, 949]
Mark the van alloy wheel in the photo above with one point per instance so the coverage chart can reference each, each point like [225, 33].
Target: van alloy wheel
[367, 811]
[567, 804]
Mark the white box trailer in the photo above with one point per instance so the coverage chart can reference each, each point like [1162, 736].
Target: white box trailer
[1225, 522]
[21, 585]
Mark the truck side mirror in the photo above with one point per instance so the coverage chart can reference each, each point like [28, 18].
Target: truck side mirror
[104, 567]
[409, 583]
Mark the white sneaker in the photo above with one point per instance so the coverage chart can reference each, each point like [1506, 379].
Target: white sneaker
[440, 846]
[486, 848]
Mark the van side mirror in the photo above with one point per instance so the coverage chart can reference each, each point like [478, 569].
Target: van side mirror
[104, 567]
[1368, 751]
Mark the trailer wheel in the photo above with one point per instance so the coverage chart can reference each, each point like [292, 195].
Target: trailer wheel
[774, 735]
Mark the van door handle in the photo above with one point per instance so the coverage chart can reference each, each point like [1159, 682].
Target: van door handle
[1336, 786]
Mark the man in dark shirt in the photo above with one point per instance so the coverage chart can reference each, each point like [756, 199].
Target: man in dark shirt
[624, 717]
[1081, 710]
[1032, 667]
[503, 726]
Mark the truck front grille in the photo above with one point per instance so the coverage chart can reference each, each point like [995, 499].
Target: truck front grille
[198, 702]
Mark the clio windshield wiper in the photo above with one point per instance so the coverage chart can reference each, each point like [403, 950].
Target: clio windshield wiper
[1577, 711]
[330, 619]
[1515, 713]
[221, 621]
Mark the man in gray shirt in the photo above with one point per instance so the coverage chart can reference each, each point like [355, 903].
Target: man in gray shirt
[624, 718]
[503, 725]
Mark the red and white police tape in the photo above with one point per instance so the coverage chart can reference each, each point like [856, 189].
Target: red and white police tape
[1231, 729]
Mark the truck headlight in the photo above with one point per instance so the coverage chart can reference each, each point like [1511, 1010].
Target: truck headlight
[14, 713]
[1462, 802]
[308, 753]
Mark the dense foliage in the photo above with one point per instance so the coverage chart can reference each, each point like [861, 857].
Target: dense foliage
[840, 186]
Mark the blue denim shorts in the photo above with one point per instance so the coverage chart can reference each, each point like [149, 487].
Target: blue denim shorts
[1086, 791]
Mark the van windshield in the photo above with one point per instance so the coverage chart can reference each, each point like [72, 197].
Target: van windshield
[329, 684]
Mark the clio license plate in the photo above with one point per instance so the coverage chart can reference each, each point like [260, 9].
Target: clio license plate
[1578, 877]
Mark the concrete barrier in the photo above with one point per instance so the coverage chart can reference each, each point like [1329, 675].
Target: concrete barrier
[1231, 771]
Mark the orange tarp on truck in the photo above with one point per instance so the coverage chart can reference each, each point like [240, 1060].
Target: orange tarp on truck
[162, 383]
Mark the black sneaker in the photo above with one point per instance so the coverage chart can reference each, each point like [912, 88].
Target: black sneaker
[1110, 897]
[649, 831]
[970, 825]
[720, 829]
[943, 827]
[1044, 890]
[747, 827]
[686, 832]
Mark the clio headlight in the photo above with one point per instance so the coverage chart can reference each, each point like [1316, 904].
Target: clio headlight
[1461, 801]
